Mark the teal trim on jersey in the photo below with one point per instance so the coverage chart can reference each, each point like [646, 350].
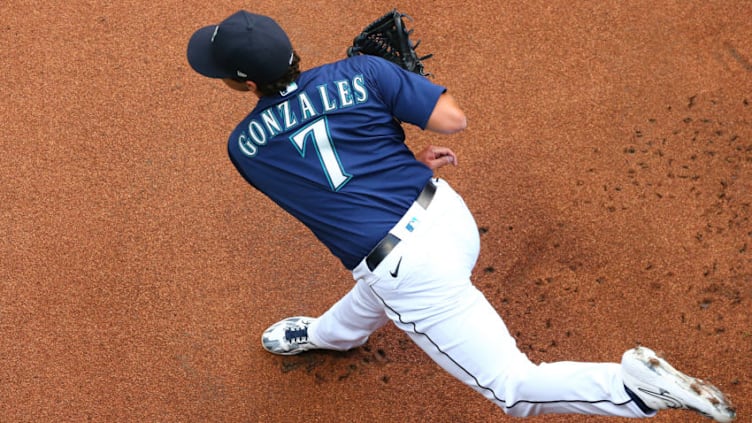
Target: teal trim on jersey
[363, 177]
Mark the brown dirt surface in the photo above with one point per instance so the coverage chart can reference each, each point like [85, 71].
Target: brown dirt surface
[607, 162]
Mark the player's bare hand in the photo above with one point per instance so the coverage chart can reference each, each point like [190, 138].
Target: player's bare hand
[436, 157]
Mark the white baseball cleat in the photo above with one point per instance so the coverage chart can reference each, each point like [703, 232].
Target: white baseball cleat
[660, 386]
[288, 336]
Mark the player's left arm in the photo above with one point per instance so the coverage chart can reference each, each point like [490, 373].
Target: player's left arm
[446, 118]
[435, 157]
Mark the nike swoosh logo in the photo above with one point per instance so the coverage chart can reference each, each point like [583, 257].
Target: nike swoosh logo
[668, 399]
[396, 269]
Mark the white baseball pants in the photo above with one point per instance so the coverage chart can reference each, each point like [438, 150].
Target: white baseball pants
[433, 300]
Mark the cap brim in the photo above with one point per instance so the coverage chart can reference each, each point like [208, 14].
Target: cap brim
[200, 55]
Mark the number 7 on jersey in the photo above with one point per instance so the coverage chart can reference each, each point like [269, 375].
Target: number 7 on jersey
[318, 130]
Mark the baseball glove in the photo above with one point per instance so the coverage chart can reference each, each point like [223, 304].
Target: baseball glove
[387, 37]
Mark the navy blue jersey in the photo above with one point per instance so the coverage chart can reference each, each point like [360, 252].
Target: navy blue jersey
[331, 152]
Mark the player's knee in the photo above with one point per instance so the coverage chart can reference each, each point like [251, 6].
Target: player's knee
[515, 383]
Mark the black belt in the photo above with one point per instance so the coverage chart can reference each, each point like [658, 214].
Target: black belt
[387, 244]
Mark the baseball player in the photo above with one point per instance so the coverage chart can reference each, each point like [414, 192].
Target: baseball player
[328, 147]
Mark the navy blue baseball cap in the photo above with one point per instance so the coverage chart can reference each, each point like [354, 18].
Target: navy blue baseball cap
[243, 46]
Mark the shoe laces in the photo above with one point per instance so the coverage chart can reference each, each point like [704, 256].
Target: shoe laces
[297, 335]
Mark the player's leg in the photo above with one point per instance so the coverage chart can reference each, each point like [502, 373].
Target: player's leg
[471, 342]
[524, 389]
[435, 303]
[347, 324]
[350, 321]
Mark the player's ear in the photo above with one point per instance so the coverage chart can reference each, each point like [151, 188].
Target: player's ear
[251, 85]
[236, 84]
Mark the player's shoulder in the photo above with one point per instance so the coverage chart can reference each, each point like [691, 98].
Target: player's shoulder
[360, 62]
[370, 61]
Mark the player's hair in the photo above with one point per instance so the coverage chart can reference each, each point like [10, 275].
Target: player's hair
[274, 87]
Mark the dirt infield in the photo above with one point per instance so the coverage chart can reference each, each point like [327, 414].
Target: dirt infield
[607, 162]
